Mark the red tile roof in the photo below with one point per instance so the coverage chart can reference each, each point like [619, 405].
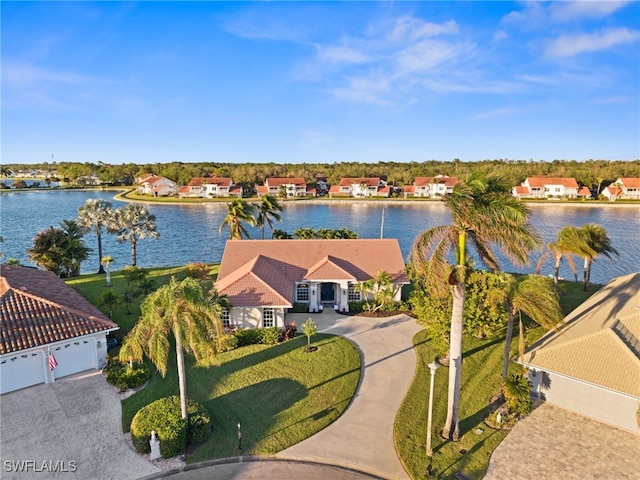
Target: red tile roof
[542, 181]
[630, 182]
[277, 181]
[368, 181]
[584, 192]
[409, 189]
[37, 308]
[521, 190]
[442, 179]
[220, 181]
[264, 272]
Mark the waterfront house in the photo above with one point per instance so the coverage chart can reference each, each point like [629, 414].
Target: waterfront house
[156, 186]
[47, 329]
[263, 279]
[630, 188]
[591, 366]
[430, 187]
[210, 187]
[360, 188]
[292, 186]
[547, 187]
[612, 192]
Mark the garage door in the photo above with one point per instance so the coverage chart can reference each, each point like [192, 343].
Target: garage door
[74, 357]
[21, 371]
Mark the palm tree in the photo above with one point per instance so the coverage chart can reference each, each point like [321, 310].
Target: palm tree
[239, 212]
[59, 250]
[268, 208]
[75, 249]
[597, 239]
[570, 242]
[186, 311]
[95, 214]
[133, 222]
[484, 214]
[533, 296]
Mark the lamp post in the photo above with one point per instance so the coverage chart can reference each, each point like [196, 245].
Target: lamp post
[433, 366]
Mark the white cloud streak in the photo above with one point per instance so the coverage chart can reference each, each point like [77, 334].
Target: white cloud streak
[570, 45]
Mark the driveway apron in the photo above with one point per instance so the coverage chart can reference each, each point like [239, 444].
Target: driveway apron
[362, 438]
[68, 429]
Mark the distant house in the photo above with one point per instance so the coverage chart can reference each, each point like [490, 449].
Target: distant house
[264, 278]
[156, 186]
[584, 192]
[547, 187]
[293, 187]
[430, 187]
[47, 329]
[210, 187]
[612, 192]
[360, 188]
[591, 366]
[624, 188]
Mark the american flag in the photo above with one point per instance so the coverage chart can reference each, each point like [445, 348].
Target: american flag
[52, 362]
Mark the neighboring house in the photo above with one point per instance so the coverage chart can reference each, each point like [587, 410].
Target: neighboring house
[547, 187]
[157, 186]
[360, 187]
[430, 187]
[206, 187]
[265, 278]
[584, 193]
[592, 365]
[294, 187]
[612, 192]
[43, 319]
[630, 188]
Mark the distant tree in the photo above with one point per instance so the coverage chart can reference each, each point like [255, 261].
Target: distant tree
[95, 214]
[597, 239]
[324, 233]
[267, 209]
[281, 235]
[131, 223]
[239, 212]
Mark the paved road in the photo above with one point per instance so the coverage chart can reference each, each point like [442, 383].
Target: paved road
[73, 426]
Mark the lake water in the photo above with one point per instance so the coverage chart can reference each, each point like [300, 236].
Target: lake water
[189, 233]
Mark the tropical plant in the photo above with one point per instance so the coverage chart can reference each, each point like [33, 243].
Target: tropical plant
[531, 295]
[324, 233]
[186, 311]
[517, 393]
[309, 328]
[570, 241]
[95, 214]
[381, 288]
[597, 239]
[484, 214]
[131, 223]
[133, 274]
[267, 209]
[239, 212]
[59, 250]
[281, 235]
[110, 299]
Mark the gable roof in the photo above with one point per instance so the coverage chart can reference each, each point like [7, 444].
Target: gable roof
[256, 272]
[441, 179]
[368, 181]
[630, 182]
[37, 308]
[277, 181]
[599, 342]
[542, 181]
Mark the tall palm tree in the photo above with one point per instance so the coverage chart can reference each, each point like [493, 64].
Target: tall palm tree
[569, 242]
[597, 239]
[186, 311]
[60, 250]
[267, 209]
[484, 214]
[131, 223]
[239, 212]
[533, 296]
[95, 214]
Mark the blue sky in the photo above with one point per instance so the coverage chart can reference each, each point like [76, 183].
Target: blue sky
[293, 82]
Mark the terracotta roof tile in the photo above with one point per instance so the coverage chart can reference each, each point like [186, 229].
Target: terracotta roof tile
[277, 181]
[539, 182]
[37, 308]
[368, 181]
[630, 182]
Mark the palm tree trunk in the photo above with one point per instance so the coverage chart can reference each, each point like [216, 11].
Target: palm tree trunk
[589, 273]
[451, 428]
[133, 251]
[182, 377]
[556, 274]
[507, 346]
[100, 268]
[585, 274]
[521, 339]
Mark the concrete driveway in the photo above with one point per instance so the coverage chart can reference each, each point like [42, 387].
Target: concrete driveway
[69, 429]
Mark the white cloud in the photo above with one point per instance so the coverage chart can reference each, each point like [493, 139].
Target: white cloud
[572, 10]
[569, 45]
[411, 28]
[20, 74]
[500, 36]
[341, 54]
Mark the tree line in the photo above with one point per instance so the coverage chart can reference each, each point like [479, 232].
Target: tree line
[593, 173]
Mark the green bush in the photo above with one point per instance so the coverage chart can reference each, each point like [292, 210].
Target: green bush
[164, 416]
[288, 332]
[270, 336]
[299, 308]
[356, 307]
[517, 392]
[198, 270]
[227, 343]
[248, 336]
[121, 376]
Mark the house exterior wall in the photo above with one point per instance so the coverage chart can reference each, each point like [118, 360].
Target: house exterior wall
[585, 399]
[251, 317]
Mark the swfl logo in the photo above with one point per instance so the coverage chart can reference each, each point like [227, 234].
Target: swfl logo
[22, 466]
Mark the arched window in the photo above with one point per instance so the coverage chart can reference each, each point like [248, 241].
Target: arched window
[302, 292]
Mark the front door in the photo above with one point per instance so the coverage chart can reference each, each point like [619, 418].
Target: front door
[327, 293]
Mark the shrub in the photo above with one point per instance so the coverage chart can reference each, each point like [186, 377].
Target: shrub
[164, 416]
[227, 343]
[356, 307]
[517, 392]
[299, 308]
[269, 336]
[197, 270]
[288, 332]
[248, 336]
[121, 376]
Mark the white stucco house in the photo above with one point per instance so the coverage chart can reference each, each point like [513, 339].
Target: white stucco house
[210, 187]
[430, 187]
[47, 329]
[547, 187]
[264, 278]
[293, 186]
[591, 366]
[624, 189]
[360, 188]
[157, 186]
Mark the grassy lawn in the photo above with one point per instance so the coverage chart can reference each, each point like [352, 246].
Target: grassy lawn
[480, 381]
[280, 394]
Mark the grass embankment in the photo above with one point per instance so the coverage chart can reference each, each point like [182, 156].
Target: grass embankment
[279, 394]
[480, 381]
